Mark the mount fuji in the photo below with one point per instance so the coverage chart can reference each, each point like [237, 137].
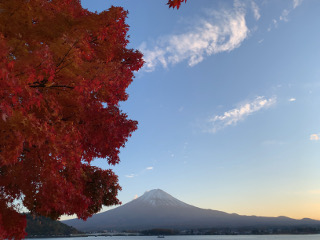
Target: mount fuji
[158, 209]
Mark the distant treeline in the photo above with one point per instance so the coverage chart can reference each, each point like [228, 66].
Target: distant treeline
[45, 227]
[160, 231]
[42, 226]
[264, 230]
[235, 231]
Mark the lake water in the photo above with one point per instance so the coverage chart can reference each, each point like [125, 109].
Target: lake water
[234, 237]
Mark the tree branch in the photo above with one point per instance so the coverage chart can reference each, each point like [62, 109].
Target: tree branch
[53, 86]
[66, 54]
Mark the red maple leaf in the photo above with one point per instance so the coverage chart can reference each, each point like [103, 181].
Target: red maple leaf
[175, 3]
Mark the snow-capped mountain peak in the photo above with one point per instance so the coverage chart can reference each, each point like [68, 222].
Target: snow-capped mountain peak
[157, 197]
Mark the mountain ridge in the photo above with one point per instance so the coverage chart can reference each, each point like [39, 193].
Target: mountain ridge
[158, 209]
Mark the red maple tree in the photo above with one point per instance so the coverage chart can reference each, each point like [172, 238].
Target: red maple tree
[63, 71]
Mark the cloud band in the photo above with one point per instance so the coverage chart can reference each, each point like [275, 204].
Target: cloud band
[233, 116]
[219, 32]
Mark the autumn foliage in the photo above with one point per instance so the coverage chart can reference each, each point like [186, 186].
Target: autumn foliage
[175, 3]
[63, 71]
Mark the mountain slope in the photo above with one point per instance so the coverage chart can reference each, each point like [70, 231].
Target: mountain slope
[158, 209]
[42, 226]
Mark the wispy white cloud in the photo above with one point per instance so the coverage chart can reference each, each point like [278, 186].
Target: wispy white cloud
[275, 23]
[315, 137]
[131, 175]
[292, 100]
[286, 12]
[284, 15]
[296, 3]
[233, 116]
[219, 31]
[255, 10]
[140, 173]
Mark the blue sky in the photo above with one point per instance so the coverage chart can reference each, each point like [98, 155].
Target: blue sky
[227, 104]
